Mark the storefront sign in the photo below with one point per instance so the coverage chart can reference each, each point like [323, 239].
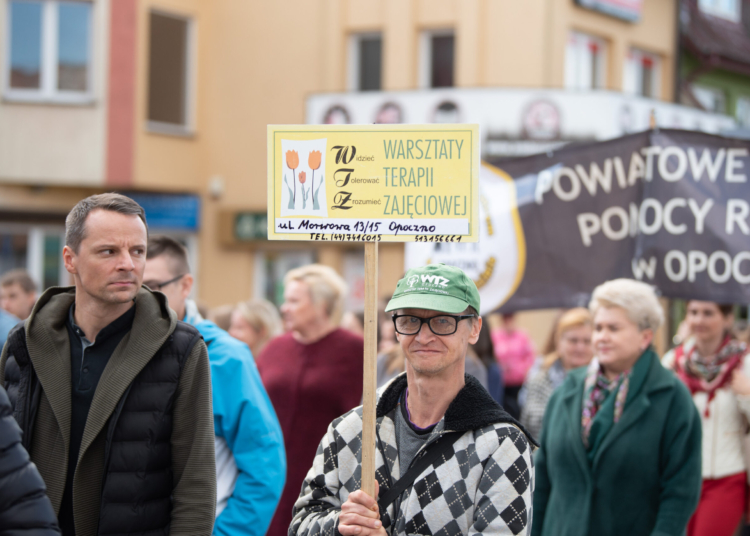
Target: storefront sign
[174, 212]
[373, 183]
[250, 226]
[668, 207]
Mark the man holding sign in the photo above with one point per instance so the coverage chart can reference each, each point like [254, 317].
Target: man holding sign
[449, 460]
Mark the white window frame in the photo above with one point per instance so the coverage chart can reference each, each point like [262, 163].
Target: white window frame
[719, 8]
[742, 110]
[353, 66]
[425, 55]
[282, 260]
[191, 82]
[35, 249]
[48, 92]
[633, 76]
[717, 92]
[572, 64]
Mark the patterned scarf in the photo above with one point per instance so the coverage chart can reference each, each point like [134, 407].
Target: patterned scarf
[596, 389]
[708, 374]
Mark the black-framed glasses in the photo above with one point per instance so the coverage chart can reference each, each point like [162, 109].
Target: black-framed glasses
[155, 285]
[439, 325]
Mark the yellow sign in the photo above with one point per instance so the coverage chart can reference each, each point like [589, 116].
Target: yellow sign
[373, 183]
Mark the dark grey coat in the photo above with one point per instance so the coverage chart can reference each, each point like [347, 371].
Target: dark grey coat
[25, 509]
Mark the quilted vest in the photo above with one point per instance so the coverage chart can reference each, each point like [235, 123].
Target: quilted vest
[137, 486]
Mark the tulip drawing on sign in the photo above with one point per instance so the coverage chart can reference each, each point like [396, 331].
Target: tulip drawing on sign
[314, 162]
[305, 193]
[292, 162]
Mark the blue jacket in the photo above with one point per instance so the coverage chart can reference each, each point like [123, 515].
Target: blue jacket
[244, 417]
[7, 322]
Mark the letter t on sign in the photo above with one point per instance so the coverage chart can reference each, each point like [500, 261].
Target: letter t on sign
[369, 381]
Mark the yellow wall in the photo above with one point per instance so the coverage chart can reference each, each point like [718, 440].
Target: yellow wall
[654, 33]
[257, 63]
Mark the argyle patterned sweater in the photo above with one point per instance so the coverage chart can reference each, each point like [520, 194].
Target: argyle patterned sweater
[484, 485]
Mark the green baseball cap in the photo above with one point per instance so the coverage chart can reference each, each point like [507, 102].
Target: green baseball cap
[437, 287]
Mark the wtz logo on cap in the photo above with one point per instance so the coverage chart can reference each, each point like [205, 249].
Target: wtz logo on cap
[436, 280]
[432, 279]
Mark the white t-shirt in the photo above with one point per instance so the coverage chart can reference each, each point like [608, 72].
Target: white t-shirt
[226, 473]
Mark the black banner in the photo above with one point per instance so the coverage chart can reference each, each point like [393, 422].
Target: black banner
[668, 207]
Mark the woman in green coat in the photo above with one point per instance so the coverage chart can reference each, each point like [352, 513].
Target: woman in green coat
[621, 439]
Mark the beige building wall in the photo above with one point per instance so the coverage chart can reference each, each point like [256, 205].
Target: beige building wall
[53, 143]
[654, 33]
[259, 61]
[255, 64]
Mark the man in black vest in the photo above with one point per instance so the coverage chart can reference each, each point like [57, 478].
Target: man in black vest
[112, 393]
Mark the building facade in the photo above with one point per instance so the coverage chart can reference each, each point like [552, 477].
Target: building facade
[715, 57]
[168, 101]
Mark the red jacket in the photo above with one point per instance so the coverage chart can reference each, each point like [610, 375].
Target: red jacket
[309, 385]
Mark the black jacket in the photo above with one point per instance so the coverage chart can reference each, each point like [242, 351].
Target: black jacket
[146, 464]
[24, 506]
[138, 481]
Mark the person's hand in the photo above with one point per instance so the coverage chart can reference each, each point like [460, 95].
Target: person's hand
[740, 383]
[360, 515]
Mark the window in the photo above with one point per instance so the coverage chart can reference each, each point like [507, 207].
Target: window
[365, 62]
[642, 74]
[711, 99]
[169, 74]
[49, 52]
[13, 250]
[36, 248]
[742, 111]
[726, 9]
[437, 64]
[584, 62]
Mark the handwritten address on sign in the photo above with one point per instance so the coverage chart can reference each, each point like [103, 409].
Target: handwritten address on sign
[390, 183]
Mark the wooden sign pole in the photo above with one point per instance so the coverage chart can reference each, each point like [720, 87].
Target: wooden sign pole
[369, 382]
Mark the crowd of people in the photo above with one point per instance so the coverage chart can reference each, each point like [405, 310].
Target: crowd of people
[132, 409]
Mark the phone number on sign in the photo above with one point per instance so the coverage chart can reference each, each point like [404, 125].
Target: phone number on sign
[437, 238]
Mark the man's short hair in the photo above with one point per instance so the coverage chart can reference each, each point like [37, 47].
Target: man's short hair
[174, 251]
[325, 286]
[75, 222]
[19, 277]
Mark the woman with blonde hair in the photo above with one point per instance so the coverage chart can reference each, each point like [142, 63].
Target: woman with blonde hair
[571, 342]
[255, 322]
[313, 373]
[621, 438]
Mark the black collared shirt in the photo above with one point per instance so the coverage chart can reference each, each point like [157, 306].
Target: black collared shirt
[87, 362]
